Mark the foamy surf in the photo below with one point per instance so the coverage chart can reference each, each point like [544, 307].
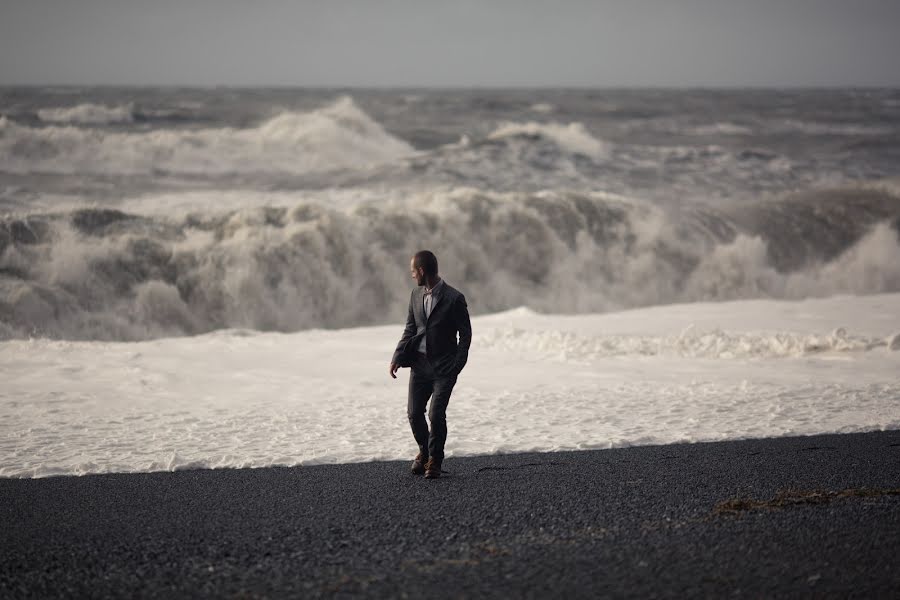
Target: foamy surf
[238, 398]
[573, 138]
[88, 113]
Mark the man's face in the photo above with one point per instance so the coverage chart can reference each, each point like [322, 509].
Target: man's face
[418, 273]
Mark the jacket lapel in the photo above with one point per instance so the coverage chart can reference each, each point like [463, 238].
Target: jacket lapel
[419, 308]
[435, 300]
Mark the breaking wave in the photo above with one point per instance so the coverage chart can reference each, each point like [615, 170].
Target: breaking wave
[572, 138]
[336, 136]
[106, 274]
[838, 129]
[542, 107]
[88, 114]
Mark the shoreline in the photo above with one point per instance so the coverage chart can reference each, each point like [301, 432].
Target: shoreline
[801, 516]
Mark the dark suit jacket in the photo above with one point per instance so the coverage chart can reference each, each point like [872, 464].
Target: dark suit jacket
[449, 316]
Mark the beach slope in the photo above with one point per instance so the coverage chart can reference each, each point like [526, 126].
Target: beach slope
[791, 516]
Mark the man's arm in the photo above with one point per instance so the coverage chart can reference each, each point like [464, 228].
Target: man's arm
[464, 326]
[408, 332]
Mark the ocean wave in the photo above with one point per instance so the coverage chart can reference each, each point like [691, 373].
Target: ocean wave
[825, 128]
[338, 135]
[719, 128]
[572, 138]
[106, 274]
[542, 107]
[88, 113]
[752, 125]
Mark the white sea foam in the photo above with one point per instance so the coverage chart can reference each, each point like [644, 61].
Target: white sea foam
[719, 128]
[542, 107]
[93, 114]
[338, 135]
[572, 138]
[238, 398]
[824, 128]
[691, 343]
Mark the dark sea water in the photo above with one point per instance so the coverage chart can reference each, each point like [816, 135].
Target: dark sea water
[136, 213]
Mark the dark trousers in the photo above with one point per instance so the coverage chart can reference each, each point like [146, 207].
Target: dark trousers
[424, 383]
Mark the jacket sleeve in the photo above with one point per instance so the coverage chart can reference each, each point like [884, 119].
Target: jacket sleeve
[464, 326]
[408, 332]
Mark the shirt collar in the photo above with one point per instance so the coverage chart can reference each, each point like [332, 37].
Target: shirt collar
[436, 290]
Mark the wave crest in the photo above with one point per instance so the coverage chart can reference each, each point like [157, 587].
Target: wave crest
[572, 138]
[339, 135]
[104, 274]
[93, 114]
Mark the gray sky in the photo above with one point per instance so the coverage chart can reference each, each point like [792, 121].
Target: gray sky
[451, 42]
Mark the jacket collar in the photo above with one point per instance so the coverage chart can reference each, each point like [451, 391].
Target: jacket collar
[436, 290]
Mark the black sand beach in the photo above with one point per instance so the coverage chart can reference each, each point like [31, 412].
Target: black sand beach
[802, 517]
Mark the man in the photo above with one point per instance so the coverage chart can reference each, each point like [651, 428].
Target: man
[437, 312]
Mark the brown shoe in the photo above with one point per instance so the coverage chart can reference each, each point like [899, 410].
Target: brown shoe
[418, 466]
[432, 468]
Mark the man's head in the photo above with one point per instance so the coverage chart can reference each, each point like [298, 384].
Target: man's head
[424, 267]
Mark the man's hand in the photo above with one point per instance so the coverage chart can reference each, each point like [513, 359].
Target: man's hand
[393, 370]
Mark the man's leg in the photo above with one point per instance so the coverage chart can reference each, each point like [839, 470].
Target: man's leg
[421, 385]
[437, 414]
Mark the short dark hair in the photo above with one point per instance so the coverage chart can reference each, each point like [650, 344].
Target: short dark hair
[427, 260]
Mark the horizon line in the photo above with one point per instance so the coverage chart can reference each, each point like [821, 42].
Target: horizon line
[474, 87]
